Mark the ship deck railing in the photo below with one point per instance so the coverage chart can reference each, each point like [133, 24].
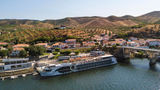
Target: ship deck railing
[81, 61]
[87, 60]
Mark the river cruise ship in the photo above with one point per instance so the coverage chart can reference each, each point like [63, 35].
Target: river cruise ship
[69, 64]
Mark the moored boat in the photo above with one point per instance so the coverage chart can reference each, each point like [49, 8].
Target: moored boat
[79, 63]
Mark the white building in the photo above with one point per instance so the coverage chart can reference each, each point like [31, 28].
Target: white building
[154, 43]
[133, 38]
[71, 43]
[132, 44]
[15, 64]
[60, 45]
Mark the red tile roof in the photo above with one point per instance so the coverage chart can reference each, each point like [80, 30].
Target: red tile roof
[3, 43]
[42, 44]
[20, 45]
[18, 49]
[71, 40]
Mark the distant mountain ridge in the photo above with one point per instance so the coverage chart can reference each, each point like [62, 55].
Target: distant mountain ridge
[151, 17]
[88, 22]
[93, 22]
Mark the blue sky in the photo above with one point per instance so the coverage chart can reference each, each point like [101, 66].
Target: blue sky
[56, 9]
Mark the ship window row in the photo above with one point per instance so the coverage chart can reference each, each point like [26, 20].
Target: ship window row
[94, 64]
[106, 57]
[64, 69]
[1, 68]
[109, 61]
[21, 66]
[15, 62]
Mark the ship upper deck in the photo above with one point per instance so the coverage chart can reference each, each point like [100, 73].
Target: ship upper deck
[83, 59]
[79, 59]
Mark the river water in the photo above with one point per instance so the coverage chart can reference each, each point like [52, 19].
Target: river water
[134, 76]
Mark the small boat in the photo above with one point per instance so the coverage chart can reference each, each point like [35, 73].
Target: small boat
[23, 75]
[13, 77]
[34, 74]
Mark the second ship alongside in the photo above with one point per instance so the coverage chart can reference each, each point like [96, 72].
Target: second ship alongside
[77, 63]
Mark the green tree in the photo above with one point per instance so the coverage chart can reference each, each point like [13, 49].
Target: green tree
[26, 48]
[23, 53]
[123, 35]
[77, 52]
[57, 49]
[112, 49]
[93, 48]
[67, 52]
[10, 49]
[140, 54]
[105, 49]
[97, 43]
[109, 33]
[100, 47]
[54, 53]
[36, 50]
[3, 53]
[80, 41]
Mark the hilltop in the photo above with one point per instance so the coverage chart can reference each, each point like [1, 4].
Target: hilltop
[126, 20]
[151, 17]
[76, 22]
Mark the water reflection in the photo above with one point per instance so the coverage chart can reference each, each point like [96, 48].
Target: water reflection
[134, 76]
[144, 64]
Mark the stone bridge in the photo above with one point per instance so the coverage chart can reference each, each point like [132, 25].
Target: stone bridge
[152, 54]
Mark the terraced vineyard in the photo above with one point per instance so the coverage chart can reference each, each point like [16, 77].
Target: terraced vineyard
[31, 35]
[97, 31]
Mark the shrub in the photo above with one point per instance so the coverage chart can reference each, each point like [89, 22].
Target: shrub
[56, 56]
[67, 52]
[54, 53]
[3, 53]
[57, 49]
[23, 53]
[77, 52]
[36, 50]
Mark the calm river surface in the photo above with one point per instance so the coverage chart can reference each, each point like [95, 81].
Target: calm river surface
[134, 76]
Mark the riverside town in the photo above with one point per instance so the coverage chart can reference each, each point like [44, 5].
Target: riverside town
[79, 45]
[66, 56]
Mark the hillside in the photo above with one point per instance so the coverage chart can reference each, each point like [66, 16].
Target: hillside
[148, 31]
[151, 17]
[13, 25]
[31, 36]
[17, 22]
[147, 25]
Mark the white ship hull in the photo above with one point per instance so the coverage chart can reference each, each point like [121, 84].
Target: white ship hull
[66, 68]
